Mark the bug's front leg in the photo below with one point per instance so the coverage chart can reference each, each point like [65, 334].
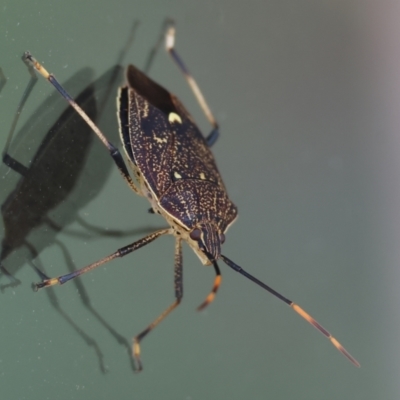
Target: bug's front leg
[113, 151]
[217, 282]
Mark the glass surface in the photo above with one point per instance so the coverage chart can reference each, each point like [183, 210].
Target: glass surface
[307, 97]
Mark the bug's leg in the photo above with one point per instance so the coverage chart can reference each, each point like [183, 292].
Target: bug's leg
[7, 159]
[294, 306]
[114, 152]
[123, 251]
[170, 46]
[212, 137]
[3, 79]
[217, 283]
[178, 296]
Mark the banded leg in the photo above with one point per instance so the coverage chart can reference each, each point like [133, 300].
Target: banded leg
[294, 306]
[178, 284]
[170, 46]
[217, 282]
[114, 152]
[123, 251]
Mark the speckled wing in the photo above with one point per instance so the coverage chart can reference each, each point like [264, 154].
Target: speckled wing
[193, 201]
[164, 149]
[145, 131]
[194, 159]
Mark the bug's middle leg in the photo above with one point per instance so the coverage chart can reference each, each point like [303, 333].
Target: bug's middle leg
[123, 251]
[178, 284]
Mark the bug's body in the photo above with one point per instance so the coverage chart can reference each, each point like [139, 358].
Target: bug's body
[176, 172]
[173, 163]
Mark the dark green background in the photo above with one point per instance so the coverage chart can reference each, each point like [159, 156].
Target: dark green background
[307, 96]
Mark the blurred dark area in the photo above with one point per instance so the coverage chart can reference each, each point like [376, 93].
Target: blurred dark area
[54, 166]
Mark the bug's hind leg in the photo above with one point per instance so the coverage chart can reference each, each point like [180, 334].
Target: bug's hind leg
[170, 46]
[178, 296]
[114, 152]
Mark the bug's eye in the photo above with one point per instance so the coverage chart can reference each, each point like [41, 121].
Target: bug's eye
[195, 234]
[222, 238]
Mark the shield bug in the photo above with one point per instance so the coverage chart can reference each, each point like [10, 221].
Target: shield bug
[175, 170]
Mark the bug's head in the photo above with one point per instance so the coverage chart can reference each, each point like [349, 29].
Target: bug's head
[209, 238]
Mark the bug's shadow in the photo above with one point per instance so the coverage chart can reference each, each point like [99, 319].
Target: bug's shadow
[3, 80]
[84, 297]
[55, 166]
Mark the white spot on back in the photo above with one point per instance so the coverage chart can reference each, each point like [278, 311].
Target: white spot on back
[173, 117]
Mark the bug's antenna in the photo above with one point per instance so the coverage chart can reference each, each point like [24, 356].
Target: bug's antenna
[294, 306]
